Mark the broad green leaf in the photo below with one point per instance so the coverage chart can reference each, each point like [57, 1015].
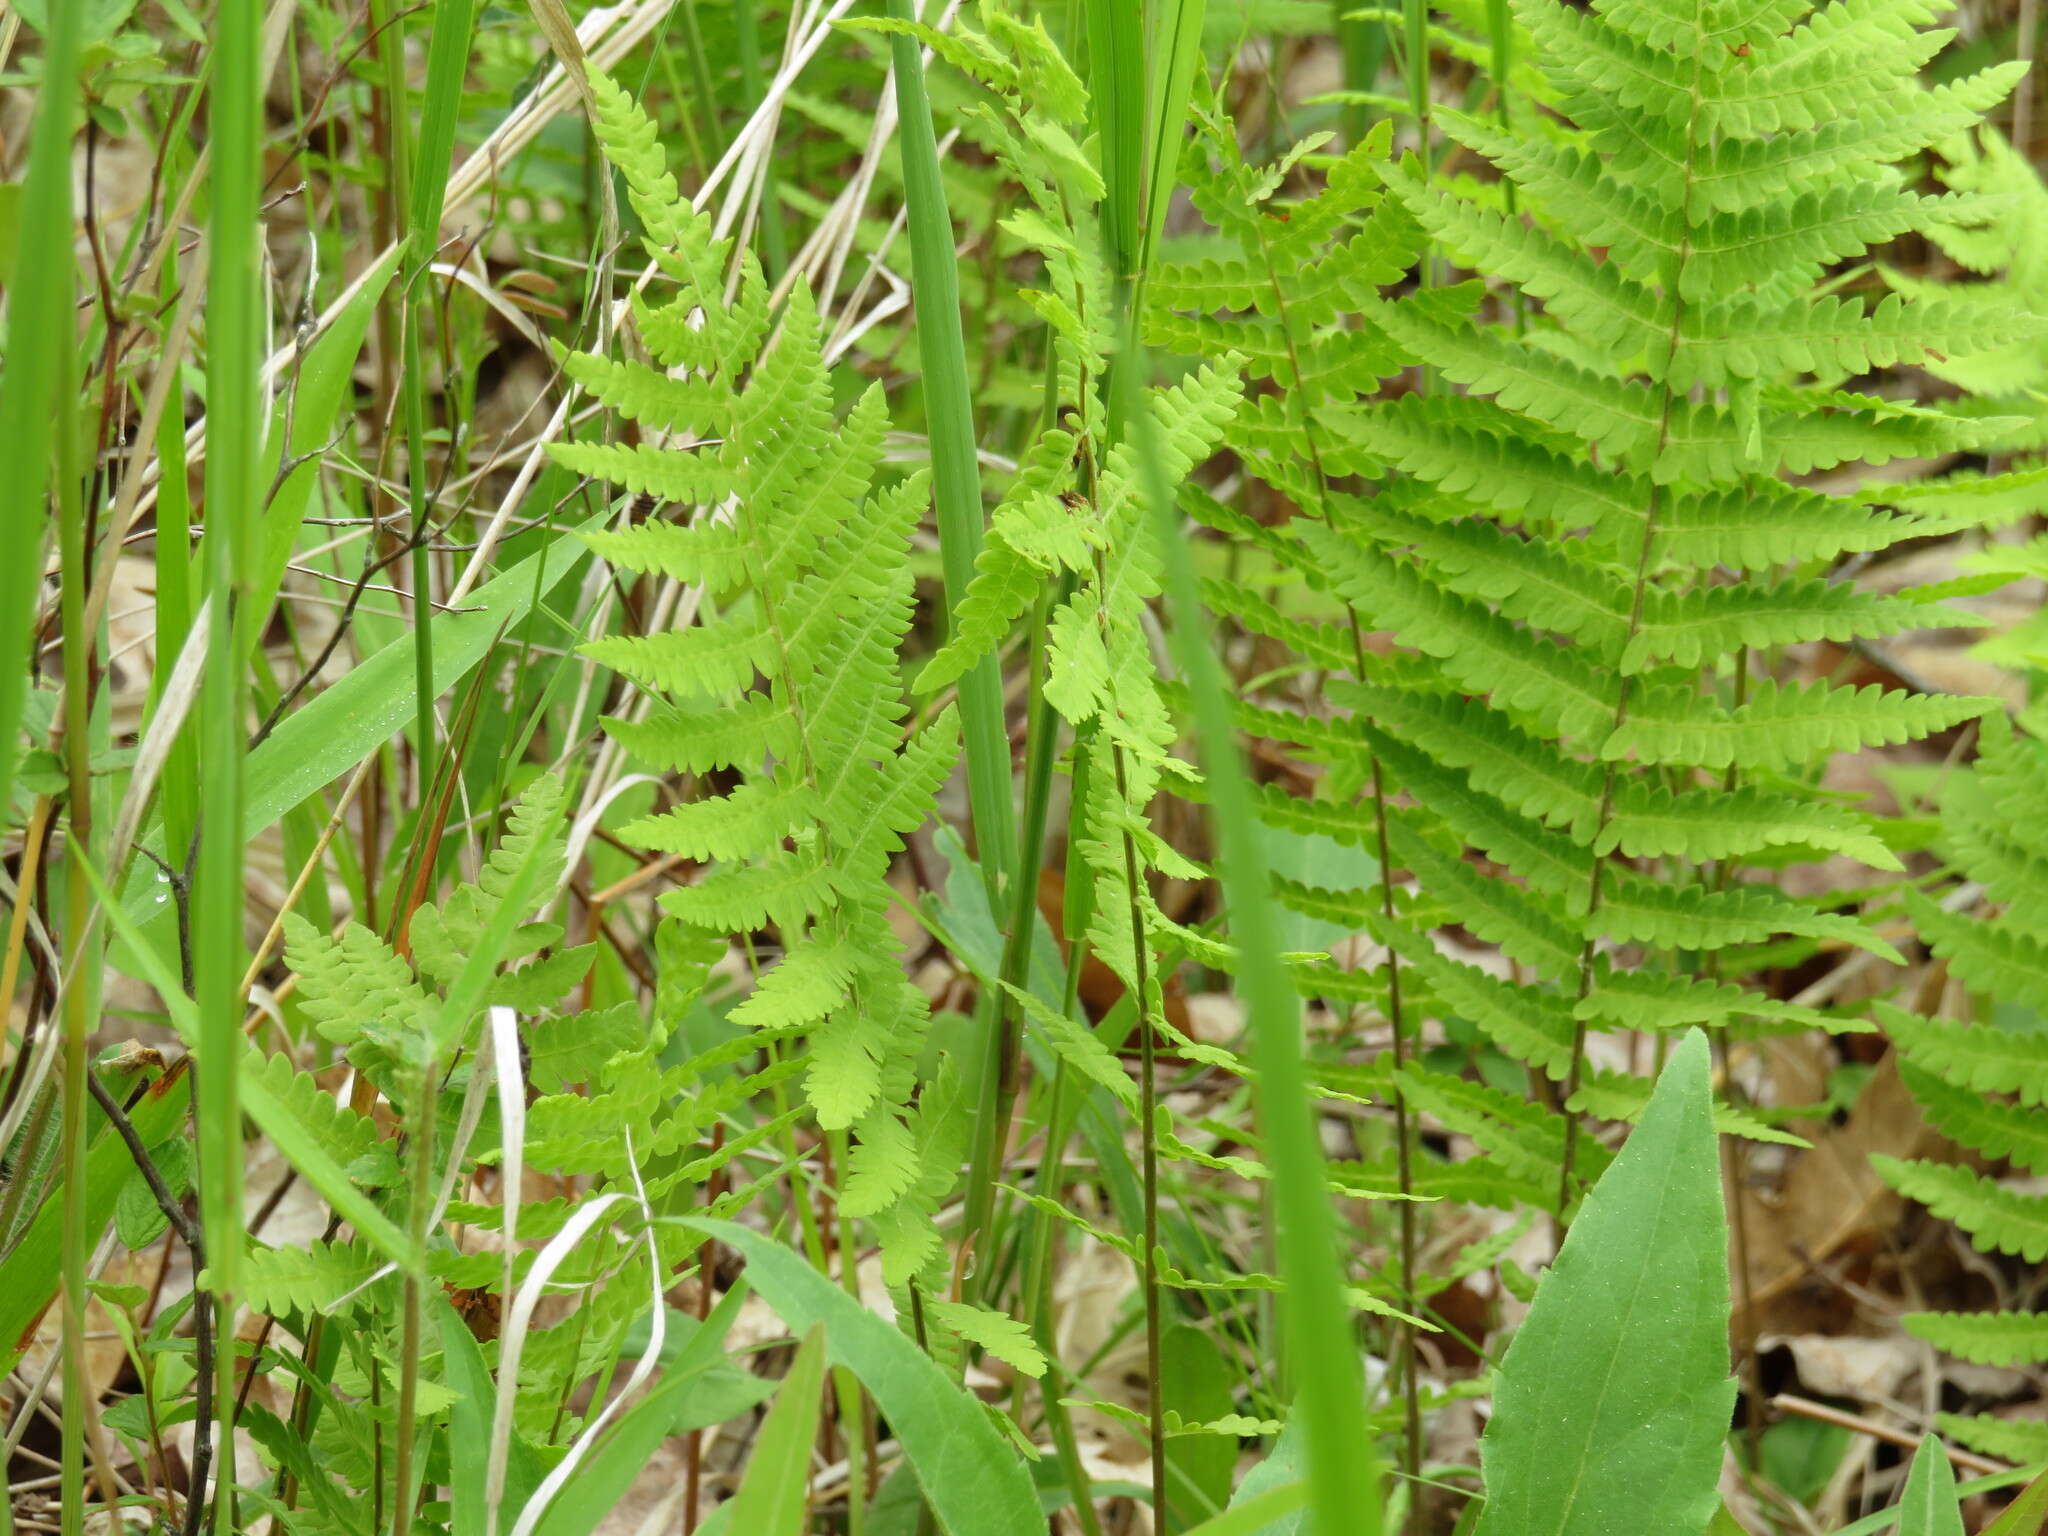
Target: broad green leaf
[774, 1496]
[99, 18]
[1799, 1456]
[1614, 1398]
[1196, 1384]
[1928, 1507]
[973, 1480]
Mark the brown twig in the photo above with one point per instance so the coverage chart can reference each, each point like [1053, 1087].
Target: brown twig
[1807, 1408]
[202, 1301]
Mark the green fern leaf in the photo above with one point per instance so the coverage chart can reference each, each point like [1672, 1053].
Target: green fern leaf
[1979, 1057]
[1995, 1218]
[1986, 1338]
[1995, 957]
[1781, 726]
[1985, 1125]
[1003, 1337]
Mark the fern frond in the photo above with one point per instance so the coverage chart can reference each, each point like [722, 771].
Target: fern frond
[1996, 1218]
[1634, 909]
[750, 730]
[1525, 926]
[350, 1139]
[1979, 1057]
[698, 662]
[1482, 652]
[699, 478]
[1986, 1338]
[351, 983]
[303, 1277]
[2021, 1441]
[2000, 958]
[686, 407]
[1527, 1139]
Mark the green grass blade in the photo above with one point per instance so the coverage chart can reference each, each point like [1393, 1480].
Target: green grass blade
[956, 501]
[234, 353]
[1613, 1400]
[1330, 1386]
[956, 473]
[1177, 44]
[447, 59]
[39, 319]
[774, 1496]
[1116, 89]
[1886, 1519]
[1928, 1506]
[469, 1417]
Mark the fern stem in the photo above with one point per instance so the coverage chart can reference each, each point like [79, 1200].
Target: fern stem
[1404, 1141]
[412, 1305]
[1405, 1333]
[1148, 1156]
[1595, 884]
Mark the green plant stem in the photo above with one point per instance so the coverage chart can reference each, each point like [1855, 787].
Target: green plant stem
[1651, 514]
[234, 432]
[852, 1408]
[178, 786]
[40, 343]
[1042, 738]
[448, 58]
[1415, 19]
[956, 497]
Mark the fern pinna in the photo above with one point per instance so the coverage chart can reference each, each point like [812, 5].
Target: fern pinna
[1983, 1081]
[1592, 555]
